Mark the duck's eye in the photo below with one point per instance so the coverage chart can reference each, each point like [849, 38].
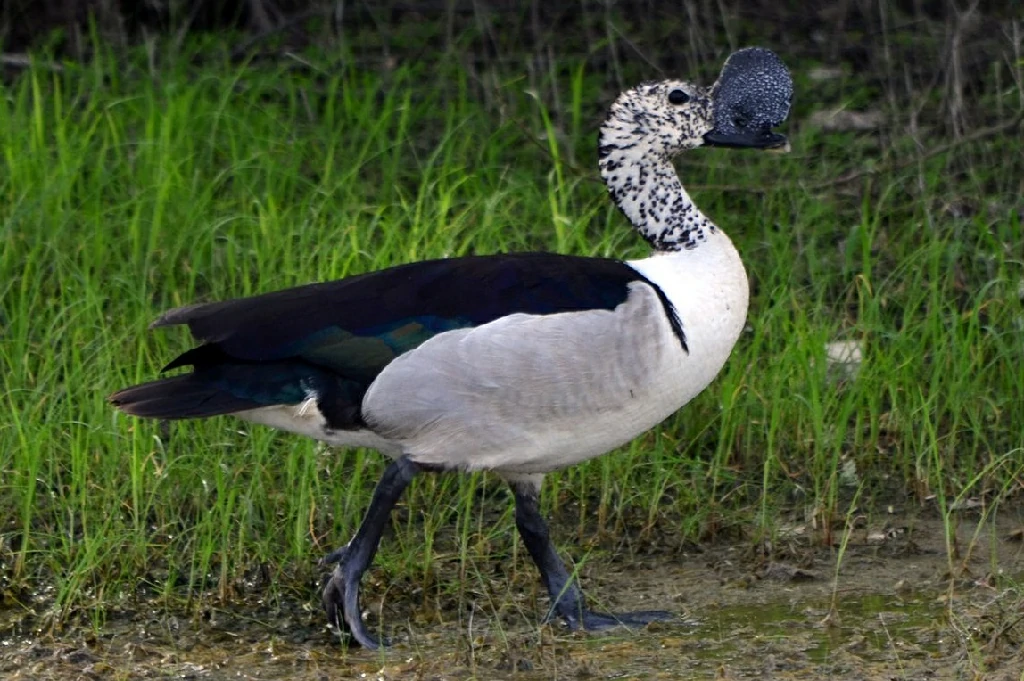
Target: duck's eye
[678, 97]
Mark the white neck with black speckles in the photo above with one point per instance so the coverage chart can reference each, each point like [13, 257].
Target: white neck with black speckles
[644, 185]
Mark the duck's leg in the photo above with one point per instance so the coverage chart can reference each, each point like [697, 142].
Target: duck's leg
[341, 595]
[566, 598]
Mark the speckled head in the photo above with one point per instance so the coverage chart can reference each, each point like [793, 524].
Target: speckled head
[752, 95]
[657, 118]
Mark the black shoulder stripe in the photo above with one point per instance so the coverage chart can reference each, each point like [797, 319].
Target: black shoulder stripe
[670, 312]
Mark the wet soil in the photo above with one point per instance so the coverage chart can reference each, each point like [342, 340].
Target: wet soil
[898, 608]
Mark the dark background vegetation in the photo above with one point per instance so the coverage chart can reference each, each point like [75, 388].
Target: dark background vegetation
[27, 22]
[921, 67]
[943, 44]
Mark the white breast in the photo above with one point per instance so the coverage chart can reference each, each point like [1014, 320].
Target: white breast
[708, 288]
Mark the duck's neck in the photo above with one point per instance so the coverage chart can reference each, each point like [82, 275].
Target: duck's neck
[644, 185]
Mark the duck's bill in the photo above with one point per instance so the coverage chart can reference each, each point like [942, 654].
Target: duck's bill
[763, 140]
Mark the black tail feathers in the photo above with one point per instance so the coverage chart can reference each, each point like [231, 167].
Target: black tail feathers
[181, 397]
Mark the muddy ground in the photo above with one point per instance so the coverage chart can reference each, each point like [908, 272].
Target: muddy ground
[896, 611]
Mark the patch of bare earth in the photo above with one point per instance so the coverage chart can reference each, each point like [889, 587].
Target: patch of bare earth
[897, 608]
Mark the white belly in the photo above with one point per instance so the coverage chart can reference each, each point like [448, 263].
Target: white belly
[306, 419]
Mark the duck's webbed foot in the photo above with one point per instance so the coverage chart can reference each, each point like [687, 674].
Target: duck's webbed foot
[341, 601]
[596, 621]
[566, 598]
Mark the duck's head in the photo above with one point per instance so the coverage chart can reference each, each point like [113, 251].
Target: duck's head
[657, 118]
[662, 118]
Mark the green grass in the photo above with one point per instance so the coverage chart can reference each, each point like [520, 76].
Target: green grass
[123, 193]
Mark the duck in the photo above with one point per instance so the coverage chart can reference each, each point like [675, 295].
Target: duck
[519, 364]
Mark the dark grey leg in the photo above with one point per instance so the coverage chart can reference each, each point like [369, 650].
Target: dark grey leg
[341, 595]
[566, 598]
